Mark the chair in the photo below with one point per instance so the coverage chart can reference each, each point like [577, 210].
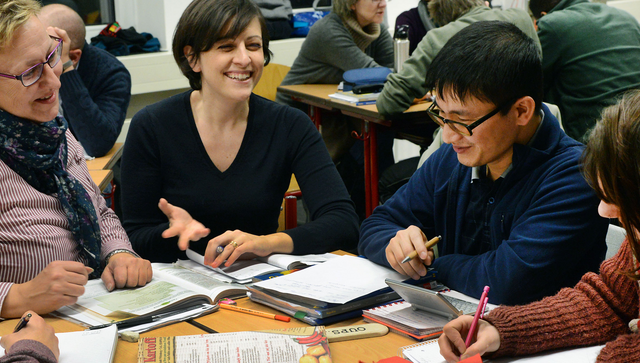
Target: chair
[615, 237]
[272, 76]
[289, 210]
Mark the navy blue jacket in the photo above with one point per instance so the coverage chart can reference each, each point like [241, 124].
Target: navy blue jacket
[95, 99]
[545, 229]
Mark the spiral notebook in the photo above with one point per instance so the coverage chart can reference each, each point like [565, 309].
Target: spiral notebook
[429, 352]
[401, 315]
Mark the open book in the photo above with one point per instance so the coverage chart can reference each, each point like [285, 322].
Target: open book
[291, 345]
[242, 271]
[174, 290]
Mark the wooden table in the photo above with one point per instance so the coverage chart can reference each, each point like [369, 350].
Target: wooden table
[109, 160]
[102, 178]
[317, 97]
[367, 350]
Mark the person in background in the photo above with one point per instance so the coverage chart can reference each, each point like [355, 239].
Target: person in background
[591, 53]
[401, 89]
[209, 167]
[55, 229]
[419, 22]
[36, 342]
[96, 86]
[505, 192]
[351, 36]
[602, 308]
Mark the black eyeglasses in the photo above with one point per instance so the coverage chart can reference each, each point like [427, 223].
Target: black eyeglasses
[463, 129]
[33, 74]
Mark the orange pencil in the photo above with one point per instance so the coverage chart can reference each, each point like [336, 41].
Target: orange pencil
[255, 312]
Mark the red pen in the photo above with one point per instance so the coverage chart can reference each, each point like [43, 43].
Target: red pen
[480, 311]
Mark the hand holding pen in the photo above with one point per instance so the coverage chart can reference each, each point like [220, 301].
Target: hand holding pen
[32, 327]
[406, 243]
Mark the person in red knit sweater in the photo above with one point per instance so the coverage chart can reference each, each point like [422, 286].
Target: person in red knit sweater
[601, 308]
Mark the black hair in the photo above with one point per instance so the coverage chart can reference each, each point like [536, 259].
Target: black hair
[493, 61]
[537, 7]
[205, 22]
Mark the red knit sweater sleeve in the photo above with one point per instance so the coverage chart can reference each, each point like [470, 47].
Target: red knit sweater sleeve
[595, 311]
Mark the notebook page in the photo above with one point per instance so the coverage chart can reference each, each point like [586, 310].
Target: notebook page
[403, 313]
[429, 352]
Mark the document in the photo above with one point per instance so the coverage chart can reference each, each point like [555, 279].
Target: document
[307, 344]
[338, 280]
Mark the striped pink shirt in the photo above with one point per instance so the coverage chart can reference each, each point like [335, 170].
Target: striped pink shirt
[34, 230]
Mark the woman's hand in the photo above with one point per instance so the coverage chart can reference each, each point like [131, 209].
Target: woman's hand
[37, 329]
[405, 242]
[451, 342]
[126, 270]
[57, 285]
[182, 225]
[237, 243]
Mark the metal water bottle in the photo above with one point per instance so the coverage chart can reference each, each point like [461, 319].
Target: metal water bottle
[400, 47]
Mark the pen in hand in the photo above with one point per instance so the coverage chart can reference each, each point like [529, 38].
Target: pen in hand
[482, 304]
[22, 323]
[428, 245]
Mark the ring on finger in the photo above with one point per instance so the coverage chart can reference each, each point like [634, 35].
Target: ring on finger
[219, 249]
[234, 244]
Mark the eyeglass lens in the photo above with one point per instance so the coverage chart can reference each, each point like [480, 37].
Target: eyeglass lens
[33, 74]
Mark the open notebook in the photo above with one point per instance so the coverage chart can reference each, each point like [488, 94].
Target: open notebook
[429, 352]
[95, 346]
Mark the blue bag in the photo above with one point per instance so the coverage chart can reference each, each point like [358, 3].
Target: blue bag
[365, 77]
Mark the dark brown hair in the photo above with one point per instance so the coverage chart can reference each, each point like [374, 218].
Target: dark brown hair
[612, 156]
[205, 22]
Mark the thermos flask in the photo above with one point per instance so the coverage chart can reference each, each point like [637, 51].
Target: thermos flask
[400, 47]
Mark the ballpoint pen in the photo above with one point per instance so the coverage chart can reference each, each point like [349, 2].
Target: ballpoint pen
[22, 323]
[428, 245]
[480, 311]
[139, 320]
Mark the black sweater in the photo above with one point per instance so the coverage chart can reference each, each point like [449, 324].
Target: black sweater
[164, 157]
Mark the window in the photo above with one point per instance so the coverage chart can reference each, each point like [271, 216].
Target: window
[93, 12]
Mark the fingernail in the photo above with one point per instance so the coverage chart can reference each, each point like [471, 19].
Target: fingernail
[90, 269]
[423, 255]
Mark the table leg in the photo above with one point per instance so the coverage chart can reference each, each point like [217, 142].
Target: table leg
[367, 169]
[373, 155]
[315, 116]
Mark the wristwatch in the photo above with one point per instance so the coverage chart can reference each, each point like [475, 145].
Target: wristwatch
[67, 64]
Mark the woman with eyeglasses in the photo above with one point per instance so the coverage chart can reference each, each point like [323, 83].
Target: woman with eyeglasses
[351, 36]
[55, 229]
[207, 169]
[602, 308]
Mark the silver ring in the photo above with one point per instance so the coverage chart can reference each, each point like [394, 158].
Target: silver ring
[219, 249]
[234, 244]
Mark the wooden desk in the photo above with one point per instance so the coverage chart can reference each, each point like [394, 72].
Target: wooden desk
[102, 178]
[317, 97]
[107, 161]
[224, 321]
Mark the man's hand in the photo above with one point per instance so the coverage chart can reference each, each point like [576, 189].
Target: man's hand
[405, 242]
[37, 329]
[182, 225]
[127, 270]
[59, 284]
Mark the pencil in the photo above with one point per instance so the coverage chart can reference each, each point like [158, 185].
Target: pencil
[255, 312]
[428, 245]
[201, 326]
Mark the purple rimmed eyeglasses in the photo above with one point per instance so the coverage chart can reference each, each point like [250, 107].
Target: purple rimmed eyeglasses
[33, 74]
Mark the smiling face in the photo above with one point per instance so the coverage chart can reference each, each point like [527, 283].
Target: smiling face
[30, 45]
[369, 11]
[232, 67]
[491, 143]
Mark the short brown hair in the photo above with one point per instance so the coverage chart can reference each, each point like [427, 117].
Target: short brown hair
[445, 11]
[612, 157]
[13, 14]
[205, 22]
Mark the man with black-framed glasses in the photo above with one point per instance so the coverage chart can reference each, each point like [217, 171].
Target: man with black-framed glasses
[506, 194]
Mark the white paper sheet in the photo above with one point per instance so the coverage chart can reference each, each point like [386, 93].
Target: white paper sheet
[338, 280]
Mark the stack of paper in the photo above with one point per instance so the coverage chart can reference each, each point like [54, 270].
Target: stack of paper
[358, 99]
